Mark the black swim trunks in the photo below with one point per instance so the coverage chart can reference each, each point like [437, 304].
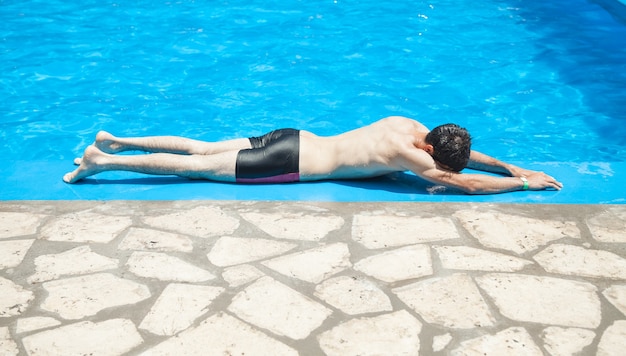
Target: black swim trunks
[273, 158]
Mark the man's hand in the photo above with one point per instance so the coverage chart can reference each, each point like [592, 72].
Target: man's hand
[540, 180]
[536, 180]
[516, 171]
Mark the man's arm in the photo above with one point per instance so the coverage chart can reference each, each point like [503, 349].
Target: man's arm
[485, 184]
[482, 162]
[422, 164]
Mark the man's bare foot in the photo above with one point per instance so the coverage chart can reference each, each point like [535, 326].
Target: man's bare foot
[107, 143]
[90, 164]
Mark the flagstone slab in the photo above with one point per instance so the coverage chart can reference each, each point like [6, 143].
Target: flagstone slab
[399, 264]
[84, 227]
[382, 231]
[8, 347]
[474, 259]
[271, 305]
[12, 252]
[229, 251]
[514, 233]
[79, 260]
[155, 240]
[78, 297]
[109, 337]
[221, 334]
[13, 224]
[566, 341]
[201, 221]
[543, 300]
[14, 299]
[313, 265]
[295, 226]
[166, 268]
[616, 295]
[511, 341]
[566, 259]
[389, 334]
[609, 226]
[613, 339]
[452, 302]
[178, 306]
[441, 341]
[353, 295]
[24, 325]
[240, 275]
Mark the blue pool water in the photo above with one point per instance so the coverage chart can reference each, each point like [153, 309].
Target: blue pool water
[541, 84]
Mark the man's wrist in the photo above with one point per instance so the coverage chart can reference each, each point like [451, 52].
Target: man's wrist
[511, 169]
[525, 183]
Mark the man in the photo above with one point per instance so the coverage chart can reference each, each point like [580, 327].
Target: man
[390, 145]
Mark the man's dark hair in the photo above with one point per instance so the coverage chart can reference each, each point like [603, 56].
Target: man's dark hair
[451, 146]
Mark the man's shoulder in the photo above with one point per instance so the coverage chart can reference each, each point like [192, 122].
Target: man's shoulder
[402, 119]
[403, 123]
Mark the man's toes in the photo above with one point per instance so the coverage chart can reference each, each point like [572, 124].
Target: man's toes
[78, 161]
[67, 178]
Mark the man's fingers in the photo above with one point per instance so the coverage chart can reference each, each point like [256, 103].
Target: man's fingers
[545, 181]
[552, 182]
[555, 184]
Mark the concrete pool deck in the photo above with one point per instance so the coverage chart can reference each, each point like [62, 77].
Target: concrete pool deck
[311, 278]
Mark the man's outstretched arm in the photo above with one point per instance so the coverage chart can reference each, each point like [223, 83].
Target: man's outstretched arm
[482, 162]
[424, 166]
[486, 184]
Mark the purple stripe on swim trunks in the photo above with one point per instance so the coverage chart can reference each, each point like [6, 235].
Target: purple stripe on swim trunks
[283, 178]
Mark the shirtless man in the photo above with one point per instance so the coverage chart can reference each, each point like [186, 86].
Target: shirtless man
[390, 145]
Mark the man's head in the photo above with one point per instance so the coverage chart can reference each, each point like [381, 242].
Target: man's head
[451, 146]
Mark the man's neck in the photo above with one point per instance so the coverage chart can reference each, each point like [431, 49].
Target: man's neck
[420, 140]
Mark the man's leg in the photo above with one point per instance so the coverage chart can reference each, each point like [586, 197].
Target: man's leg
[219, 166]
[167, 144]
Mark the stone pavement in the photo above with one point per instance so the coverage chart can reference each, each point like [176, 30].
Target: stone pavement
[308, 278]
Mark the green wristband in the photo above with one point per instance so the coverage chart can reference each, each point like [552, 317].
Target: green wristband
[525, 181]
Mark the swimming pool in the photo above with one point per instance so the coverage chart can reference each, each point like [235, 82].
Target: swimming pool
[540, 84]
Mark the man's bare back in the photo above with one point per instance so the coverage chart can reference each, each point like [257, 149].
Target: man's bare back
[389, 145]
[369, 151]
